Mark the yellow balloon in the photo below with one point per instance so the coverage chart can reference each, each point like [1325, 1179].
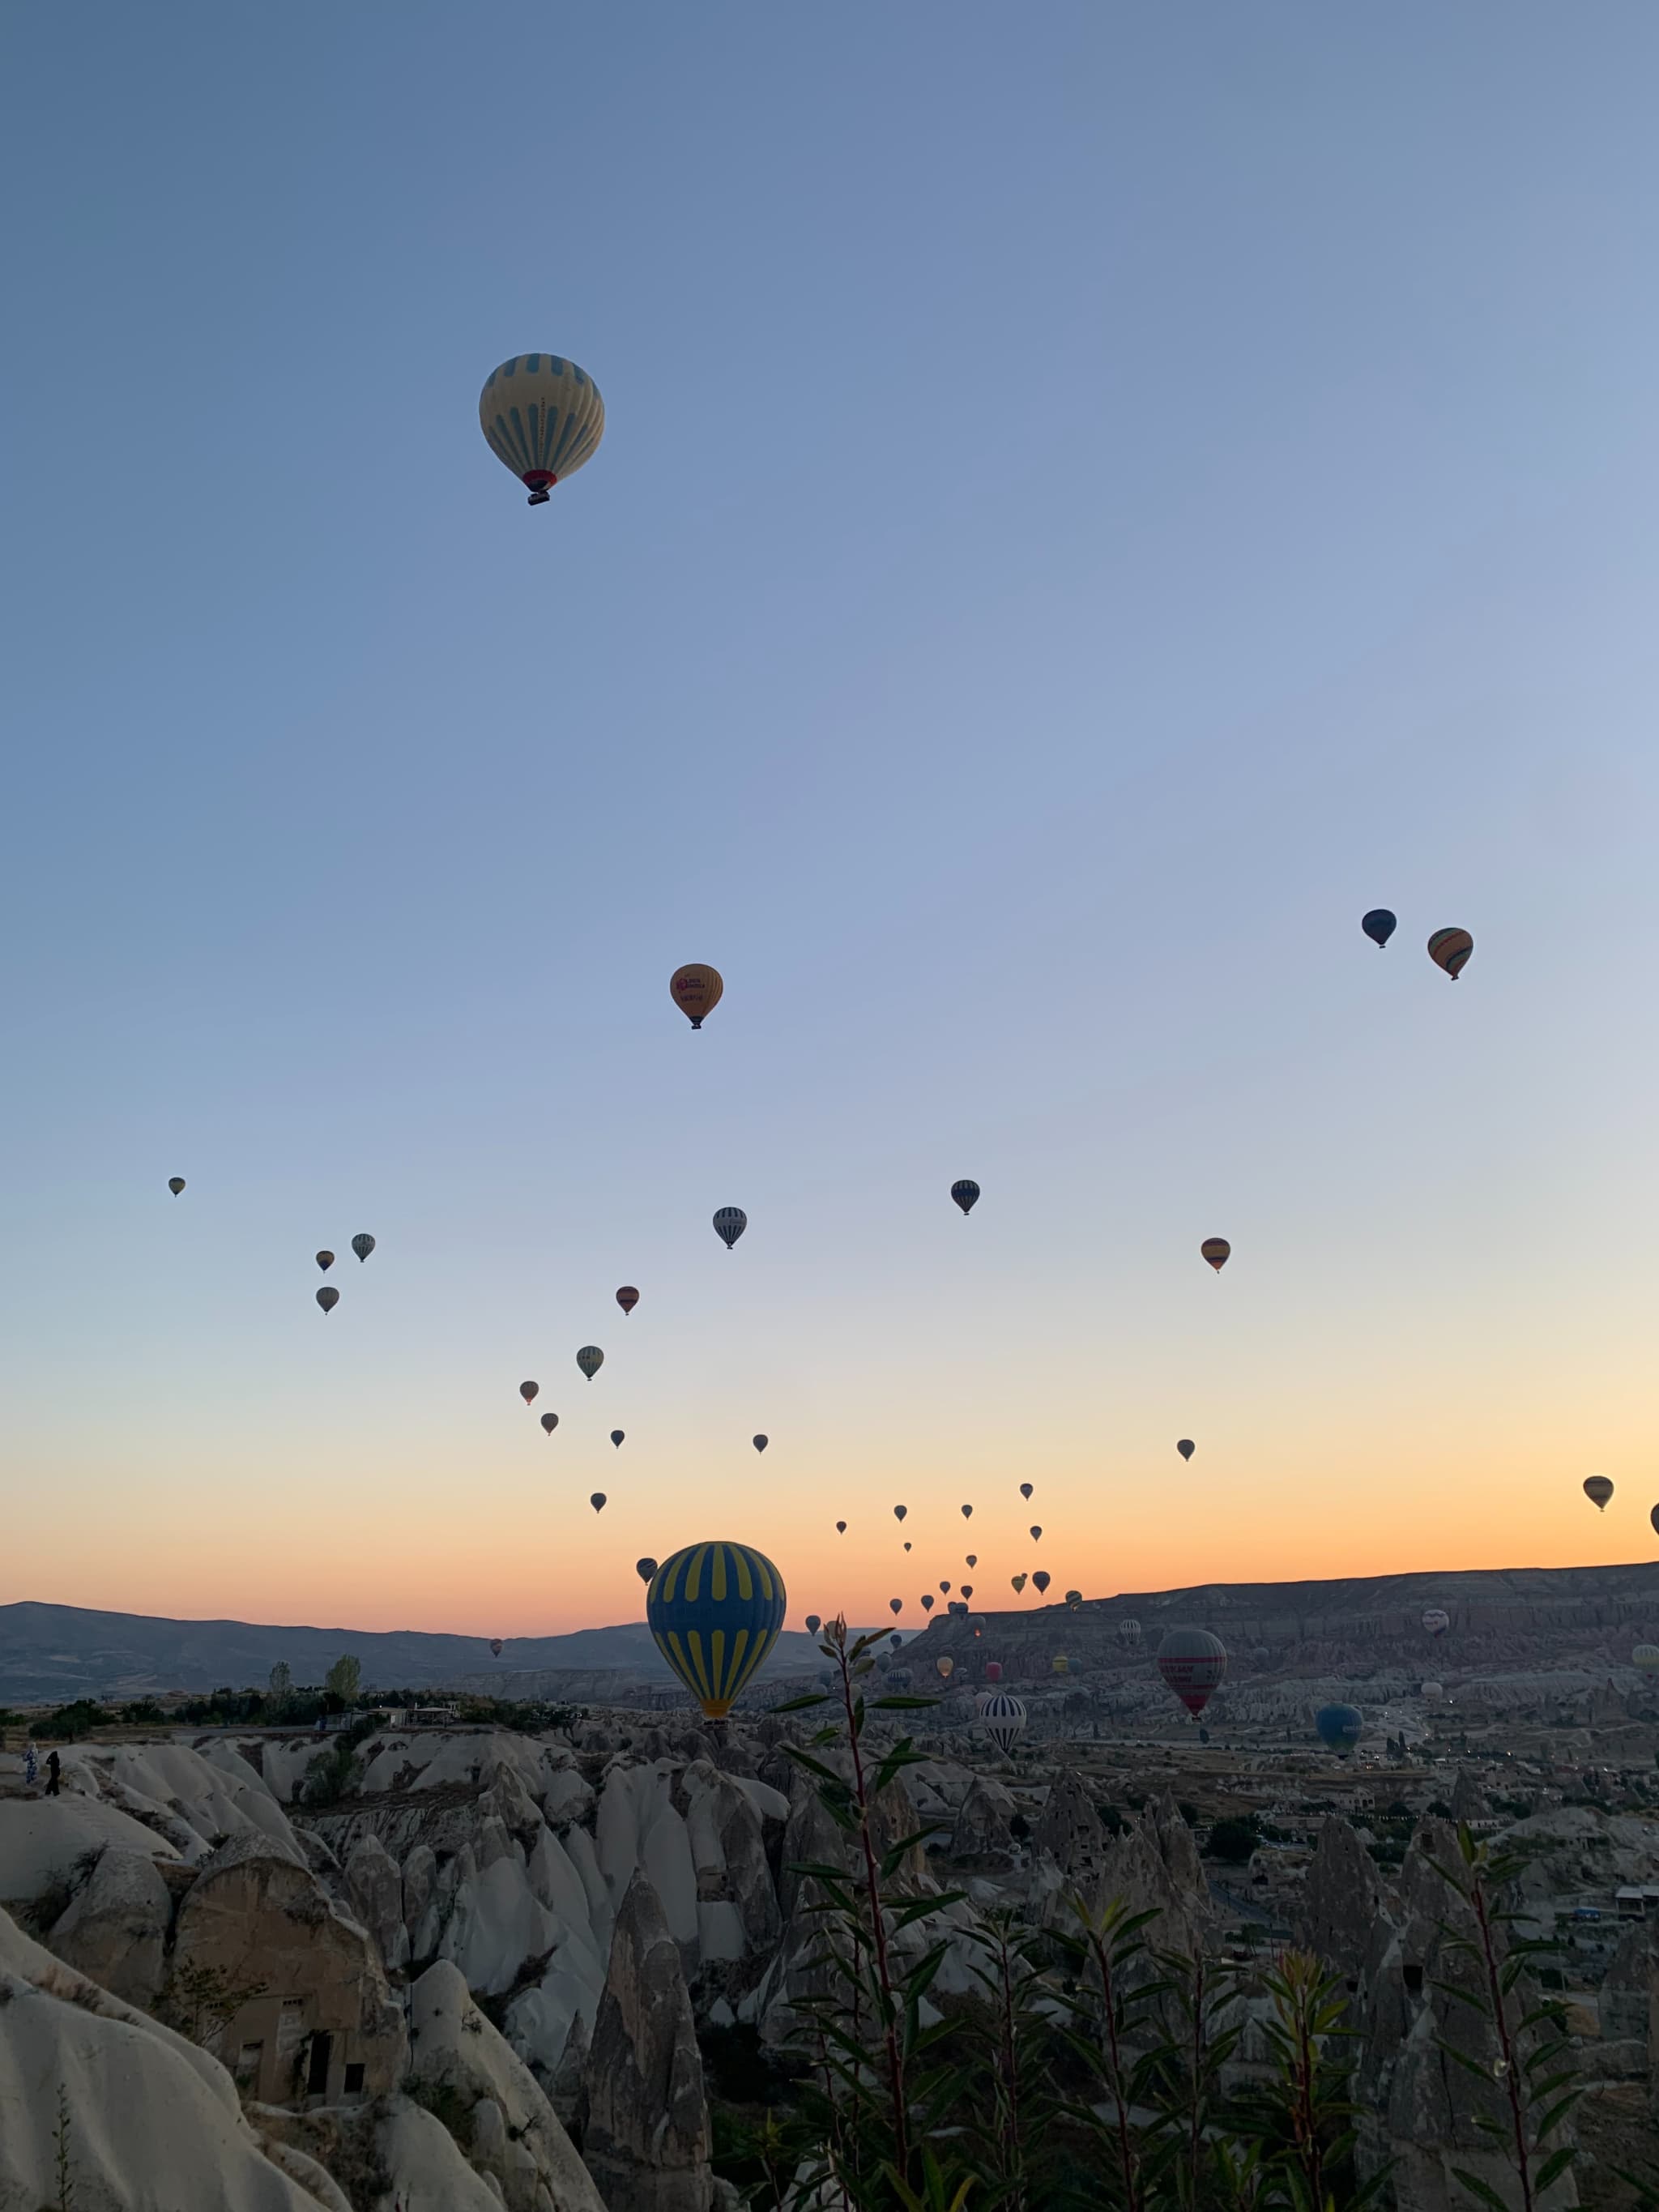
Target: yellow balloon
[695, 991]
[543, 418]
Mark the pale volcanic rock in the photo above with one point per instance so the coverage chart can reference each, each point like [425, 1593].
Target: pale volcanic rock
[738, 1915]
[156, 2124]
[185, 1794]
[42, 1838]
[636, 1827]
[1343, 1897]
[452, 2044]
[496, 1925]
[646, 2134]
[1069, 1832]
[115, 1927]
[376, 1891]
[983, 1829]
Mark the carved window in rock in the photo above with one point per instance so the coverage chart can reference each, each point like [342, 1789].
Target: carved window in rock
[353, 2078]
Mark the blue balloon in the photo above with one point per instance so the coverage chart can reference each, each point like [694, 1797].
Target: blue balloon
[714, 1611]
[1339, 1726]
[1379, 924]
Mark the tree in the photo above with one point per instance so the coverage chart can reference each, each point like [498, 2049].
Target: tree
[282, 1680]
[1233, 1841]
[344, 1678]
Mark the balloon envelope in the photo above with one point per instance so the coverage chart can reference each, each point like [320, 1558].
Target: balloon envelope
[967, 1512]
[617, 1436]
[1450, 949]
[1654, 1517]
[628, 1298]
[549, 1422]
[1128, 1631]
[328, 1298]
[325, 1260]
[176, 1184]
[730, 1222]
[1186, 1447]
[814, 1622]
[1216, 1250]
[1598, 1490]
[759, 1443]
[362, 1244]
[1074, 1599]
[1435, 1619]
[896, 1605]
[1042, 1578]
[945, 1668]
[1193, 1662]
[1036, 1532]
[1017, 1582]
[899, 1512]
[494, 1647]
[714, 1611]
[590, 1359]
[1379, 924]
[597, 1501]
[1645, 1658]
[972, 1559]
[1025, 1489]
[927, 1600]
[966, 1195]
[993, 1670]
[527, 1391]
[697, 991]
[543, 418]
[645, 1569]
[841, 1527]
[1003, 1718]
[1339, 1726]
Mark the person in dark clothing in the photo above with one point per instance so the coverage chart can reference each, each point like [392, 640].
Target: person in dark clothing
[54, 1766]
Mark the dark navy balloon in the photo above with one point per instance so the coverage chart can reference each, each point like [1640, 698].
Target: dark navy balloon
[1339, 1726]
[966, 1195]
[1379, 924]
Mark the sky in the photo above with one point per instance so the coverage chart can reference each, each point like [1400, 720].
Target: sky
[1082, 516]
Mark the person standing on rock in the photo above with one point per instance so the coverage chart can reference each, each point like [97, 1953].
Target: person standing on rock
[54, 1767]
[31, 1766]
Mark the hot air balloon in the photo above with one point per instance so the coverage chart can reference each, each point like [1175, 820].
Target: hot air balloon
[1186, 1447]
[1654, 1517]
[967, 1512]
[927, 1600]
[1128, 1631]
[896, 1605]
[597, 1501]
[966, 1195]
[944, 1667]
[1192, 1662]
[714, 1611]
[590, 1359]
[617, 1436]
[814, 1622]
[841, 1527]
[543, 418]
[1645, 1658]
[1598, 1490]
[899, 1678]
[1339, 1726]
[1036, 1532]
[1042, 1578]
[1026, 1488]
[993, 1670]
[494, 1647]
[328, 1298]
[1059, 1664]
[528, 1391]
[944, 1589]
[325, 1260]
[628, 1298]
[695, 991]
[1003, 1718]
[549, 1422]
[362, 1244]
[730, 1222]
[1075, 1601]
[645, 1569]
[1450, 949]
[176, 1184]
[1379, 924]
[1433, 1692]
[907, 1546]
[759, 1443]
[976, 1622]
[967, 1589]
[1017, 1582]
[1216, 1250]
[899, 1512]
[1435, 1619]
[971, 1560]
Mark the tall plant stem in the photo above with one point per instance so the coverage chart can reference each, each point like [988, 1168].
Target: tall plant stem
[1125, 2139]
[896, 2087]
[1500, 2021]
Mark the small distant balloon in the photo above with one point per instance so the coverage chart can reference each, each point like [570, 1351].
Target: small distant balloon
[590, 1359]
[967, 1512]
[966, 1195]
[899, 1512]
[176, 1184]
[549, 1422]
[1018, 1582]
[1003, 1718]
[971, 1560]
[730, 1222]
[814, 1622]
[1645, 1658]
[645, 1569]
[1339, 1726]
[841, 1527]
[1435, 1619]
[1450, 949]
[617, 1436]
[1193, 1662]
[1074, 1599]
[542, 417]
[1598, 1490]
[628, 1298]
[760, 1443]
[529, 1392]
[697, 991]
[1026, 1488]
[945, 1667]
[597, 1501]
[1216, 1250]
[1186, 1447]
[1654, 1517]
[967, 1589]
[325, 1260]
[1042, 1578]
[907, 1546]
[1036, 1532]
[1379, 924]
[928, 1601]
[494, 1647]
[993, 1670]
[896, 1605]
[362, 1244]
[328, 1298]
[944, 1589]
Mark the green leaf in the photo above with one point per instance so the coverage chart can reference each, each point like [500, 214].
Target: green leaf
[801, 1704]
[1469, 2065]
[1482, 2192]
[897, 1705]
[1553, 2168]
[1557, 2113]
[814, 1765]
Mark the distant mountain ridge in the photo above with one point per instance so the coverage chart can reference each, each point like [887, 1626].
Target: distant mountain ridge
[58, 1652]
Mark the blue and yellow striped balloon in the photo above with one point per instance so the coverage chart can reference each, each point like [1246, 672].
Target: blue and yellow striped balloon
[544, 418]
[714, 1611]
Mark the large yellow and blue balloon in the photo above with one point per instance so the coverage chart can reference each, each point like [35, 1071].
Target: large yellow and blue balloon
[543, 418]
[714, 1611]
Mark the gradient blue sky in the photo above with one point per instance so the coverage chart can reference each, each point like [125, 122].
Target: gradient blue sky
[1091, 502]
